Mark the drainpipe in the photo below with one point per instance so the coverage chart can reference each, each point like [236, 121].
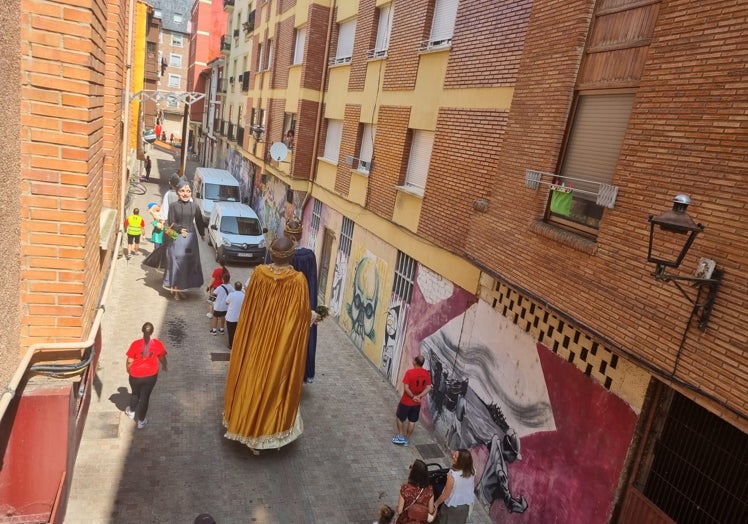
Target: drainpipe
[318, 123]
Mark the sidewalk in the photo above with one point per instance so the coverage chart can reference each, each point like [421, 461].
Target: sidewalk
[341, 470]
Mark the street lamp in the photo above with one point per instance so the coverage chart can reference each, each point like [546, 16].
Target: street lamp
[668, 244]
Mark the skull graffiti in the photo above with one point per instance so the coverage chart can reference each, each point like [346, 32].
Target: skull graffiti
[363, 306]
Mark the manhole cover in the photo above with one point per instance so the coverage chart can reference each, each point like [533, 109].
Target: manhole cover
[430, 451]
[220, 357]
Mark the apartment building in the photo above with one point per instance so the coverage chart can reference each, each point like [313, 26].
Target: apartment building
[173, 57]
[66, 133]
[477, 179]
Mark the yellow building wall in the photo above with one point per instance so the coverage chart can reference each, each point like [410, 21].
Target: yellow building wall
[140, 26]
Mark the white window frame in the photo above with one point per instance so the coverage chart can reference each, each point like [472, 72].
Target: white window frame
[368, 134]
[176, 40]
[346, 36]
[443, 24]
[175, 60]
[384, 30]
[175, 81]
[270, 55]
[419, 159]
[299, 43]
[333, 139]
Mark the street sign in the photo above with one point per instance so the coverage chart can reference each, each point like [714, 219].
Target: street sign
[149, 136]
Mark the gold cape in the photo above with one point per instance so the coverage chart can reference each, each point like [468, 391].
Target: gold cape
[266, 370]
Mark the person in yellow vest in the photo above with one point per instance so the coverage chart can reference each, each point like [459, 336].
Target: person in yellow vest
[134, 225]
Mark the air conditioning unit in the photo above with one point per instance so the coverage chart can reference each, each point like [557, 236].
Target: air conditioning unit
[363, 165]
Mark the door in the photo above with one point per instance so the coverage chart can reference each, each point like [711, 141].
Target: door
[324, 265]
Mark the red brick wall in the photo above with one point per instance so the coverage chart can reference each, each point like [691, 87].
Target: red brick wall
[283, 41]
[389, 159]
[348, 145]
[69, 115]
[314, 67]
[686, 134]
[410, 26]
[274, 132]
[366, 35]
[504, 25]
[465, 146]
[306, 120]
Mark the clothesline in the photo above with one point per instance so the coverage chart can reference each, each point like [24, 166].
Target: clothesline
[605, 195]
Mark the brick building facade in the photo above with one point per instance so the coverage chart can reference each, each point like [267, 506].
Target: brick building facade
[499, 226]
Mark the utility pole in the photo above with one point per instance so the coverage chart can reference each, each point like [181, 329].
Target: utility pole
[185, 133]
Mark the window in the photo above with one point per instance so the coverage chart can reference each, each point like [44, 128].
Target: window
[299, 43]
[443, 24]
[405, 272]
[346, 34]
[591, 156]
[418, 161]
[175, 60]
[368, 132]
[316, 217]
[289, 129]
[175, 81]
[346, 236]
[176, 40]
[270, 55]
[384, 29]
[332, 143]
[259, 58]
[157, 13]
[178, 18]
[172, 101]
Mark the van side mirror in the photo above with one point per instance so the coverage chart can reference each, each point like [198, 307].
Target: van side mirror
[264, 230]
[245, 200]
[214, 227]
[198, 195]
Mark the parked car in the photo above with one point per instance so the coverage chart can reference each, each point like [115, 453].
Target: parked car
[214, 185]
[236, 234]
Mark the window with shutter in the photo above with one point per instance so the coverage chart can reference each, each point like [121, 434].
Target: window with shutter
[419, 159]
[332, 143]
[346, 34]
[443, 24]
[591, 156]
[259, 58]
[270, 55]
[368, 132]
[384, 29]
[300, 42]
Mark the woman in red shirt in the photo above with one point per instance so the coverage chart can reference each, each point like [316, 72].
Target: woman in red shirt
[143, 359]
[216, 279]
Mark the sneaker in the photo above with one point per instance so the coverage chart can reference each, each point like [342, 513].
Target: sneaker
[142, 423]
[130, 413]
[209, 315]
[405, 442]
[213, 332]
[398, 439]
[221, 331]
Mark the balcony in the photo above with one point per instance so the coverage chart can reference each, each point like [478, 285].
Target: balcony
[225, 45]
[245, 81]
[228, 5]
[240, 135]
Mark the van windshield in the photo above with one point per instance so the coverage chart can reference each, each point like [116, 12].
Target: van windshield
[221, 193]
[240, 226]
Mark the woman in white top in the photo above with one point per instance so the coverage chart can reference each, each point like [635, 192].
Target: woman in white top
[458, 494]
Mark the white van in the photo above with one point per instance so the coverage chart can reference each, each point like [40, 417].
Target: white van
[235, 232]
[214, 185]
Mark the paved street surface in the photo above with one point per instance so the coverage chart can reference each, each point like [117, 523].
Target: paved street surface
[341, 470]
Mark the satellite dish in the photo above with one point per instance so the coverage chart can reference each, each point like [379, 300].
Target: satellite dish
[278, 151]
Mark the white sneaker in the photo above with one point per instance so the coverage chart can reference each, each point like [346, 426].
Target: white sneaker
[142, 423]
[209, 315]
[130, 413]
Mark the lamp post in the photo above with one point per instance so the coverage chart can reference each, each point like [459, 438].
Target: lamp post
[669, 243]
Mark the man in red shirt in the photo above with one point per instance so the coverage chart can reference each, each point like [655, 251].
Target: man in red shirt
[416, 385]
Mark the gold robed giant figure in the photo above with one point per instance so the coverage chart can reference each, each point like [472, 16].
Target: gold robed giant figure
[266, 370]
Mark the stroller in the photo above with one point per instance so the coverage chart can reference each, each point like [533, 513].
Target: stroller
[437, 477]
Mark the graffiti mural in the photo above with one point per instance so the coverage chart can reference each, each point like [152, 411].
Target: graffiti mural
[488, 391]
[269, 202]
[363, 303]
[338, 282]
[393, 339]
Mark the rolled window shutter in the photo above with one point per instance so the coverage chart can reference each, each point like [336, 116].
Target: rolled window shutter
[384, 28]
[420, 157]
[332, 143]
[443, 25]
[346, 34]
